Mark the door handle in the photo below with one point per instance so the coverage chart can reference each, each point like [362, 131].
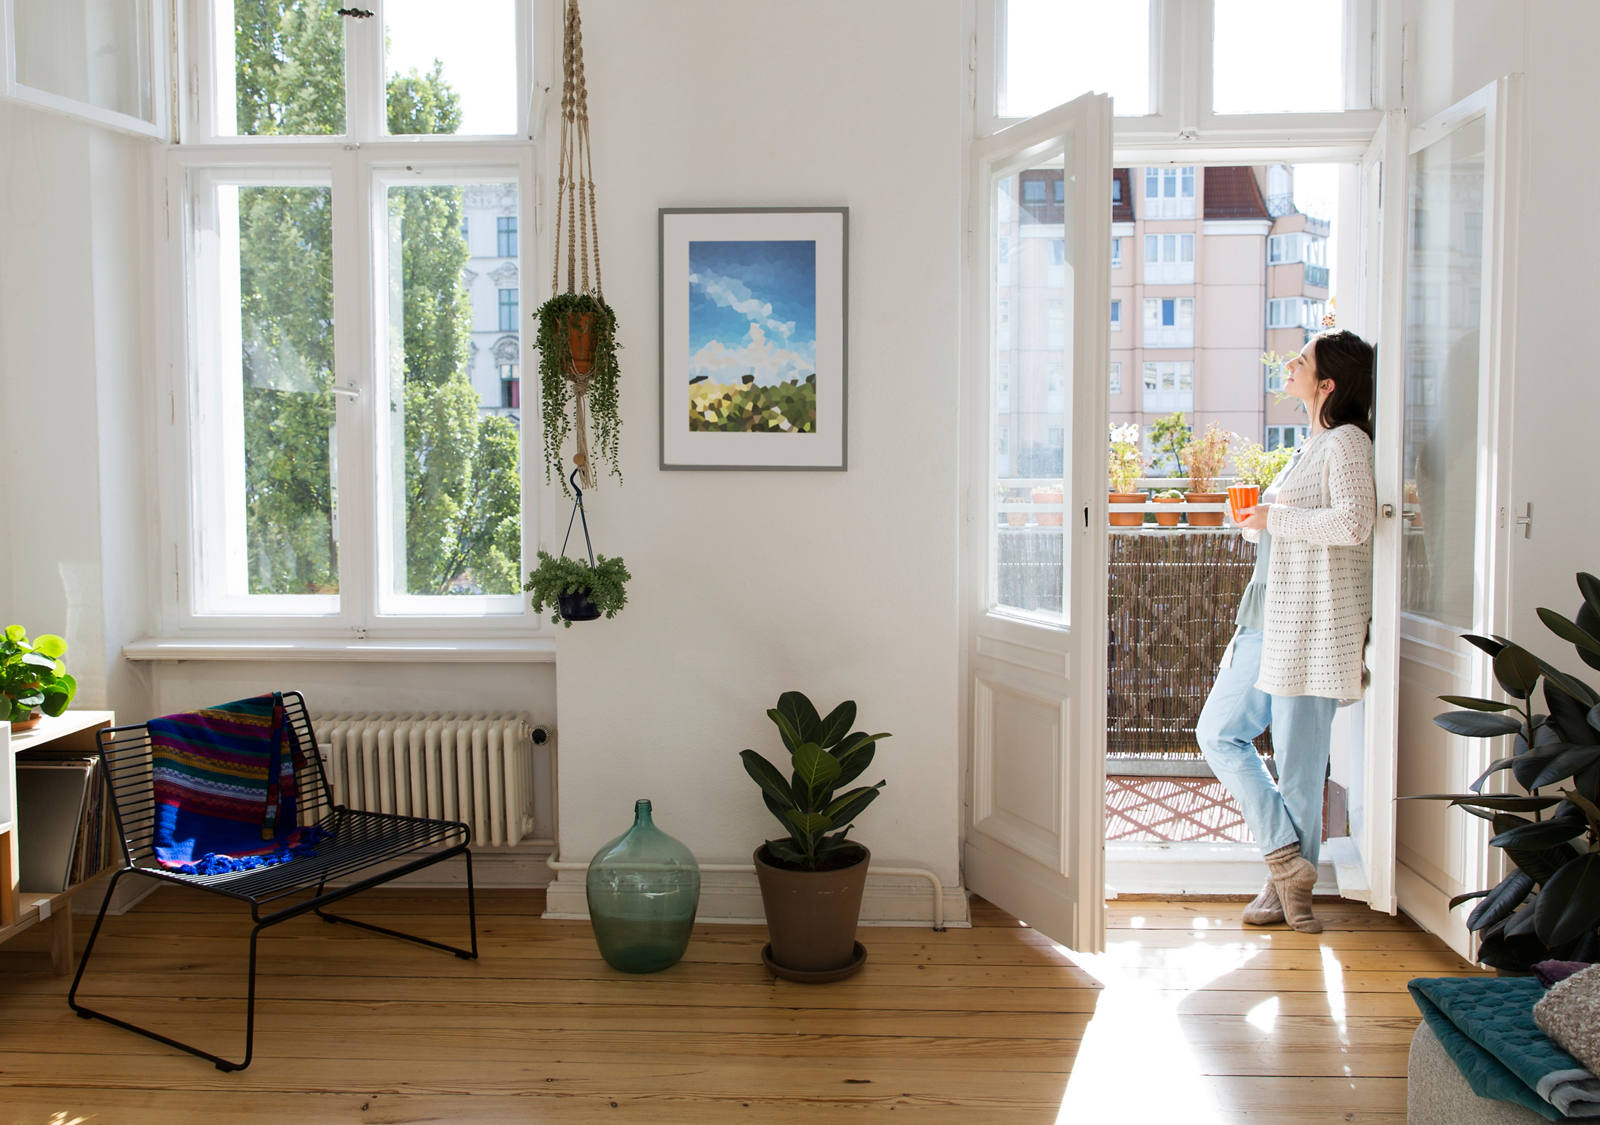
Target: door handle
[1525, 521]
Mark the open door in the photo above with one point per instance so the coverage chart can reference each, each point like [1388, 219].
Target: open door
[1383, 257]
[1036, 527]
[1454, 435]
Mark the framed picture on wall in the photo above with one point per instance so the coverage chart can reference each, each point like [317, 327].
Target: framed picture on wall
[753, 337]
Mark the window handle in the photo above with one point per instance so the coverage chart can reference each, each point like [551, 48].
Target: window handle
[348, 392]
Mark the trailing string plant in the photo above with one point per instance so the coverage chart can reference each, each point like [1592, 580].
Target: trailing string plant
[824, 756]
[1548, 905]
[577, 330]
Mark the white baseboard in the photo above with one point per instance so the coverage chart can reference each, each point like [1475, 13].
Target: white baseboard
[734, 897]
[1195, 869]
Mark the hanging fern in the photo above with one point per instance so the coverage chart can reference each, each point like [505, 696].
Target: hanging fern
[557, 574]
[556, 391]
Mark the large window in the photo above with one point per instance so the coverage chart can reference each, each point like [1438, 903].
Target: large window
[1295, 312]
[1169, 322]
[1169, 193]
[1169, 259]
[1168, 387]
[363, 470]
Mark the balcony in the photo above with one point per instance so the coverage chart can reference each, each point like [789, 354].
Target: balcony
[1173, 593]
[1317, 276]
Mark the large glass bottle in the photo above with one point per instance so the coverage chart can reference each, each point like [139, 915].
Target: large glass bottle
[643, 889]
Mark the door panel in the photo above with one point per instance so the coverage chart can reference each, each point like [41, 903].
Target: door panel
[1036, 542]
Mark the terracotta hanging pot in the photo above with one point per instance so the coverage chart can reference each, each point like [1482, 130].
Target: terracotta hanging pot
[580, 342]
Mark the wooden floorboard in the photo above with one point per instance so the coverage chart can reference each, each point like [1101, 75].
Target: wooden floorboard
[1187, 1016]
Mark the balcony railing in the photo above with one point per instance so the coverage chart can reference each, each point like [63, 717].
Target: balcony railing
[1173, 594]
[1317, 276]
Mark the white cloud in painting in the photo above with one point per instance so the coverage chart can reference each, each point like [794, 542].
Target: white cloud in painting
[756, 356]
[731, 293]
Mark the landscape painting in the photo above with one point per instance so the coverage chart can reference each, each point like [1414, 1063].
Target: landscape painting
[753, 338]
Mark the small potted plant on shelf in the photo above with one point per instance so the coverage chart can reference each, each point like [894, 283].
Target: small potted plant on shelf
[575, 591]
[1125, 465]
[1204, 457]
[1167, 496]
[812, 877]
[1548, 905]
[33, 680]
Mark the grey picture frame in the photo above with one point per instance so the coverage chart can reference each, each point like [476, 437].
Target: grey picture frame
[826, 447]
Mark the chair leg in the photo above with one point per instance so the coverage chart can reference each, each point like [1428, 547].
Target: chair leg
[85, 1012]
[472, 922]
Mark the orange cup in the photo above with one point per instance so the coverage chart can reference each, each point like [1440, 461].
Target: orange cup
[1241, 498]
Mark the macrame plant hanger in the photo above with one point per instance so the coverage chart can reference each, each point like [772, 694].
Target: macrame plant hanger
[575, 208]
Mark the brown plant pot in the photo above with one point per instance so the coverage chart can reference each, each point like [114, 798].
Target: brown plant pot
[1167, 519]
[1127, 519]
[27, 724]
[1205, 519]
[580, 342]
[1048, 496]
[811, 915]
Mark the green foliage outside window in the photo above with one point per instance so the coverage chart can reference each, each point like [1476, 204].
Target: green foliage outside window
[462, 488]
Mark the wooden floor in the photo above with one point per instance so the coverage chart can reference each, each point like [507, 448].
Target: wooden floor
[1186, 1018]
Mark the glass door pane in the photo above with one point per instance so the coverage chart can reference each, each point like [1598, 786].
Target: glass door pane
[1444, 299]
[1031, 307]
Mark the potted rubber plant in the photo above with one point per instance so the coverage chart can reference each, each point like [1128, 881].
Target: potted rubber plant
[573, 590]
[1204, 457]
[812, 876]
[33, 680]
[1548, 905]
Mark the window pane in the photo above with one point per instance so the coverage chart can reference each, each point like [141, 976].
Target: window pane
[1444, 276]
[451, 68]
[287, 69]
[1257, 68]
[1055, 50]
[93, 51]
[267, 513]
[454, 511]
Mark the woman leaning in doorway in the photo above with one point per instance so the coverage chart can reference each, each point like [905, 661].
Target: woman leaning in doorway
[1302, 626]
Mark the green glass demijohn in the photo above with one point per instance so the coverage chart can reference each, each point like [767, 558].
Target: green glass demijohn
[643, 889]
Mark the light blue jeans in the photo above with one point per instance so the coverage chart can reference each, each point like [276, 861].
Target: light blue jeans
[1289, 812]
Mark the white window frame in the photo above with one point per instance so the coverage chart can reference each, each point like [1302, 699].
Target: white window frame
[1115, 380]
[360, 174]
[1279, 434]
[155, 55]
[1181, 126]
[1178, 334]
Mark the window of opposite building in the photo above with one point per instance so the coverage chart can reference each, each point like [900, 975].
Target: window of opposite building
[1169, 322]
[1116, 378]
[508, 310]
[505, 230]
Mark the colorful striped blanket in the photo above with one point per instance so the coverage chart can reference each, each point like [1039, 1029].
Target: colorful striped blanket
[224, 781]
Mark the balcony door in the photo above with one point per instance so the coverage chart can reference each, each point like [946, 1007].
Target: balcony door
[1035, 543]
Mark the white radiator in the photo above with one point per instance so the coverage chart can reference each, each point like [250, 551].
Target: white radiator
[472, 768]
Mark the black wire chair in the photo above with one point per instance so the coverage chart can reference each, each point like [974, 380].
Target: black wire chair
[361, 850]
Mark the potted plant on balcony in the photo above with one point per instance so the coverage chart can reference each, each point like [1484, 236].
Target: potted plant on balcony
[574, 590]
[1125, 465]
[33, 680]
[1048, 494]
[1167, 496]
[1204, 457]
[812, 877]
[1548, 905]
[1259, 465]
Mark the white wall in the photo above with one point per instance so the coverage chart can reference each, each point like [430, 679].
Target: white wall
[72, 203]
[842, 585]
[1458, 47]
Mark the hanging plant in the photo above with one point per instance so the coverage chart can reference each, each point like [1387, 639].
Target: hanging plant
[577, 333]
[575, 591]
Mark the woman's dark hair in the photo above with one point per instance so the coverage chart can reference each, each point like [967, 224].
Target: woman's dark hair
[1348, 360]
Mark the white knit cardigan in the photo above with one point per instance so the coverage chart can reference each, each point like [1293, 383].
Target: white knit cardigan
[1319, 577]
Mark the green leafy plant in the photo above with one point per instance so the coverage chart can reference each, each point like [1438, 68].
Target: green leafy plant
[556, 390]
[1126, 462]
[1548, 906]
[1204, 457]
[1168, 436]
[1259, 465]
[824, 756]
[32, 675]
[557, 574]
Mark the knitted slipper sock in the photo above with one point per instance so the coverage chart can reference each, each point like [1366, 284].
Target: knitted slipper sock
[1293, 876]
[1264, 909]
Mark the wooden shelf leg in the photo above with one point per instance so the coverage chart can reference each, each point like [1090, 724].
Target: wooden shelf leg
[60, 928]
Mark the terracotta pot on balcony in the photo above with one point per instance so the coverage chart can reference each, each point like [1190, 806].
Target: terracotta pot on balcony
[1048, 496]
[1167, 519]
[1127, 519]
[1205, 519]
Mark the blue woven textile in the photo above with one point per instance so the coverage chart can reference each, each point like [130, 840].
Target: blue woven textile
[1486, 1026]
[224, 787]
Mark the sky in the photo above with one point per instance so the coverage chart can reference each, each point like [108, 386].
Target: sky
[474, 40]
[752, 310]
